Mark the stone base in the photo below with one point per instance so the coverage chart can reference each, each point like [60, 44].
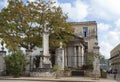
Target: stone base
[27, 73]
[2, 72]
[42, 74]
[47, 66]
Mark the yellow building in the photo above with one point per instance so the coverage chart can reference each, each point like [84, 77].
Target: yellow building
[88, 31]
[115, 58]
[77, 52]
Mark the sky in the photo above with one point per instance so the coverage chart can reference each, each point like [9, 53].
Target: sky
[105, 12]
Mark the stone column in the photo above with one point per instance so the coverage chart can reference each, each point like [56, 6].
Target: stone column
[46, 44]
[75, 57]
[46, 54]
[96, 62]
[96, 47]
[2, 62]
[28, 59]
[65, 57]
[60, 58]
[82, 55]
[79, 56]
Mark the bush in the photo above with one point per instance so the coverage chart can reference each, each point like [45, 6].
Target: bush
[103, 74]
[56, 68]
[67, 69]
[87, 67]
[15, 63]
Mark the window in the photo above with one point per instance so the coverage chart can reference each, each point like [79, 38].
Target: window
[85, 31]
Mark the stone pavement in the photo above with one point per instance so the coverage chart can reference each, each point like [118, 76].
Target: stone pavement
[61, 79]
[111, 76]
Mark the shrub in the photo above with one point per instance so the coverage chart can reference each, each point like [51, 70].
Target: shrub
[15, 63]
[103, 74]
[87, 67]
[56, 68]
[67, 69]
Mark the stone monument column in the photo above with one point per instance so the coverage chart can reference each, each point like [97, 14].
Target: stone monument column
[60, 57]
[46, 48]
[96, 47]
[28, 59]
[96, 62]
[46, 54]
[2, 61]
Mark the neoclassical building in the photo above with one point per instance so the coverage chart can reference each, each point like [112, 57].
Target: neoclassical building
[115, 58]
[74, 53]
[85, 42]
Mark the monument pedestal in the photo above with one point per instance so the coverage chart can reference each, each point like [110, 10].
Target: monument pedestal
[28, 59]
[60, 58]
[46, 62]
[44, 69]
[2, 63]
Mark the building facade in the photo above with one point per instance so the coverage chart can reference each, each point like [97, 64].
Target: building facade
[115, 58]
[88, 31]
[74, 53]
[79, 52]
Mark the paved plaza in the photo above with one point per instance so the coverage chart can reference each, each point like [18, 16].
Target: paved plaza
[21, 81]
[61, 79]
[111, 76]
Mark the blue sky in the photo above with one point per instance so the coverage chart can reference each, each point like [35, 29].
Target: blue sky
[105, 12]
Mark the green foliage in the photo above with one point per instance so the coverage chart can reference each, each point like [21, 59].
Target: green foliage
[87, 67]
[23, 24]
[91, 56]
[56, 68]
[67, 69]
[103, 74]
[15, 63]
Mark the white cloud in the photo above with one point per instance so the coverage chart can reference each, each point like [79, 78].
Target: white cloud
[103, 27]
[105, 49]
[31, 0]
[108, 38]
[117, 25]
[103, 33]
[113, 37]
[76, 11]
[105, 9]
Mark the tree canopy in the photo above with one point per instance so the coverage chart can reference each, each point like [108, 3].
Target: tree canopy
[22, 24]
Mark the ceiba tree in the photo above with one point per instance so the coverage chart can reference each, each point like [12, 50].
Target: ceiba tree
[22, 24]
